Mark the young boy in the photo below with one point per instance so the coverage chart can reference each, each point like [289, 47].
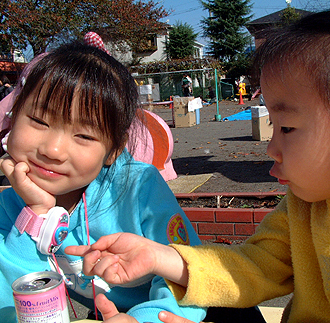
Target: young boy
[290, 251]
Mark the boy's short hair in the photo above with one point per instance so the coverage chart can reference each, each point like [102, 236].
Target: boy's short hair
[304, 44]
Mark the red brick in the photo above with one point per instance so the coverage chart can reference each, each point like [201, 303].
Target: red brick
[215, 228]
[199, 215]
[207, 238]
[245, 229]
[234, 215]
[259, 214]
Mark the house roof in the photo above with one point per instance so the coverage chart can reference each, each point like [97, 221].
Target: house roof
[269, 20]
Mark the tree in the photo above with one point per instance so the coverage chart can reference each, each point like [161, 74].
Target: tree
[289, 15]
[181, 41]
[40, 22]
[224, 28]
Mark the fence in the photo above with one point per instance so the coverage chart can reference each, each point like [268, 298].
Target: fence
[169, 84]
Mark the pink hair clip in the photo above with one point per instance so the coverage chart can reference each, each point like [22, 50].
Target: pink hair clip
[95, 40]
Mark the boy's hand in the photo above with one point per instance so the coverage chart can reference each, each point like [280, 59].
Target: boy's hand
[118, 258]
[35, 197]
[121, 258]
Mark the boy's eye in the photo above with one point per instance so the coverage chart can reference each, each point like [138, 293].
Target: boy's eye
[286, 129]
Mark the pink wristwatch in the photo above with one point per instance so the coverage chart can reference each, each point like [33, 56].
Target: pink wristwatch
[48, 230]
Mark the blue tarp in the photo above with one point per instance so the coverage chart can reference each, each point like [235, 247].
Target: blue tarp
[244, 115]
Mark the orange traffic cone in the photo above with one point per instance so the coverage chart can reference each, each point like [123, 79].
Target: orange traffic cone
[240, 98]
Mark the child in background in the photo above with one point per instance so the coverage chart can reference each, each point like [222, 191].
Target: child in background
[5, 86]
[68, 131]
[290, 251]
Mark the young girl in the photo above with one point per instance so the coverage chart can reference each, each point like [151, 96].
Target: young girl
[290, 252]
[66, 144]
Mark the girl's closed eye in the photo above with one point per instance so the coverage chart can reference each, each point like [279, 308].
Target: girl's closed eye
[86, 137]
[38, 121]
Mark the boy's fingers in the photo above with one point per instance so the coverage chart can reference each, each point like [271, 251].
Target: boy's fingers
[77, 250]
[106, 241]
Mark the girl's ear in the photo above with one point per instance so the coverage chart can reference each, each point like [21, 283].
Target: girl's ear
[113, 155]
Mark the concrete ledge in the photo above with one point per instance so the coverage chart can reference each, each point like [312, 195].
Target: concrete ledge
[272, 314]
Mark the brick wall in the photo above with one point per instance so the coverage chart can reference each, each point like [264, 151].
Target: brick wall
[232, 224]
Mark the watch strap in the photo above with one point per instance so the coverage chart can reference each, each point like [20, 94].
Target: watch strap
[29, 222]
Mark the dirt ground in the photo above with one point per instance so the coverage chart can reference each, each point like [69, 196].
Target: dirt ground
[225, 149]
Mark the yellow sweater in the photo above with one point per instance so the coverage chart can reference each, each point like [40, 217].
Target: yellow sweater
[290, 252]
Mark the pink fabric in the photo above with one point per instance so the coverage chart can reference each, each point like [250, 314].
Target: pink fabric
[28, 221]
[7, 103]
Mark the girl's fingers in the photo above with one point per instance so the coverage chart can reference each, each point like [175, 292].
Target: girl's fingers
[168, 317]
[106, 307]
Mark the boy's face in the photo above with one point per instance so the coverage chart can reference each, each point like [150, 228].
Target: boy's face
[300, 144]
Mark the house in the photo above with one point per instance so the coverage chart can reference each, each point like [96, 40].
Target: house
[258, 27]
[156, 51]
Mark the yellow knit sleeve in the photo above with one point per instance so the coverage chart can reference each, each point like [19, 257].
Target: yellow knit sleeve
[240, 275]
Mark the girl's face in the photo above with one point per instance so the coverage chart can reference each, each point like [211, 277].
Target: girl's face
[62, 158]
[300, 145]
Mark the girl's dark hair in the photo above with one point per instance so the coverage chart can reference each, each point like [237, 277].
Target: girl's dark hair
[107, 97]
[304, 44]
[107, 94]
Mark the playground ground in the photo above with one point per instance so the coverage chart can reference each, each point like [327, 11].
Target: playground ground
[224, 149]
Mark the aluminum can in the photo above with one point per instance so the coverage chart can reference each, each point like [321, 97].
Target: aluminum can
[40, 298]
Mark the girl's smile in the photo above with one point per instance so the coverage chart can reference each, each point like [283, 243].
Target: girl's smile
[44, 172]
[62, 158]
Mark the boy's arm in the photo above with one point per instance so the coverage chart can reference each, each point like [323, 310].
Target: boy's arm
[124, 257]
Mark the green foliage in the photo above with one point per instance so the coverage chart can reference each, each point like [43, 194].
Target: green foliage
[181, 41]
[288, 16]
[40, 22]
[224, 28]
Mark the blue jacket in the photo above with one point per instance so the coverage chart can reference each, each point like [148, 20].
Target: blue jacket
[129, 196]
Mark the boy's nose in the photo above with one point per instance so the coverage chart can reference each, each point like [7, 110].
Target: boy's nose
[54, 147]
[273, 150]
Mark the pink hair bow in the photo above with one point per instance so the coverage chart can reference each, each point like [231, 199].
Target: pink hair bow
[93, 39]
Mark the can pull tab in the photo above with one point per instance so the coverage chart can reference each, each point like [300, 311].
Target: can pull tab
[48, 230]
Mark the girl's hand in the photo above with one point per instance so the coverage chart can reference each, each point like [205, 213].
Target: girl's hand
[168, 317]
[110, 313]
[124, 257]
[35, 197]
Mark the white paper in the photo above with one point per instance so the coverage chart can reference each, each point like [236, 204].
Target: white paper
[195, 104]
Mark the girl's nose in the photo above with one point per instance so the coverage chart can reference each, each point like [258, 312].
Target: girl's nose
[273, 150]
[54, 146]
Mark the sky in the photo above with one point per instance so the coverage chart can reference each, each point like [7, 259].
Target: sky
[191, 11]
